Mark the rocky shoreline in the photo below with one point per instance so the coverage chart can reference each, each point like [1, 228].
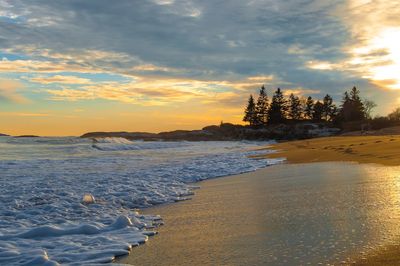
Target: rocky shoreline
[227, 131]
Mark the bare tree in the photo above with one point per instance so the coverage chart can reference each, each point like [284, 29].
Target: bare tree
[368, 107]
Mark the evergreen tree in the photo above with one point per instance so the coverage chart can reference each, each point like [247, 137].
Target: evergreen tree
[250, 114]
[358, 112]
[329, 109]
[318, 111]
[352, 107]
[345, 108]
[277, 110]
[294, 107]
[262, 107]
[309, 108]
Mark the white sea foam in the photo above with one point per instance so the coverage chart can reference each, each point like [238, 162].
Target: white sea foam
[43, 181]
[121, 144]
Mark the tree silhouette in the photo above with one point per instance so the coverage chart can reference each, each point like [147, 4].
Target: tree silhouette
[294, 107]
[318, 111]
[278, 108]
[395, 115]
[345, 108]
[368, 107]
[250, 114]
[352, 108]
[329, 109]
[357, 105]
[262, 107]
[309, 108]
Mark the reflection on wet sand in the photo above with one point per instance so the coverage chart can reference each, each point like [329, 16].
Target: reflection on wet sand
[281, 215]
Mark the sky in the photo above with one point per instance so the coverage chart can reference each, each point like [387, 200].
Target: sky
[68, 67]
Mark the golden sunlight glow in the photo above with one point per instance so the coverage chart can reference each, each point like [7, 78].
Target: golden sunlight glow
[382, 57]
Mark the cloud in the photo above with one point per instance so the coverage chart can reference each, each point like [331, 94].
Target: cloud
[150, 67]
[372, 52]
[177, 35]
[60, 80]
[20, 114]
[162, 90]
[300, 91]
[192, 49]
[36, 66]
[10, 91]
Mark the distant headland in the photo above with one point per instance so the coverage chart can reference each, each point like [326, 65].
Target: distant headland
[283, 118]
[228, 131]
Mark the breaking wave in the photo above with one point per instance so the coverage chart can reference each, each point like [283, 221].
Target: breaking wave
[43, 220]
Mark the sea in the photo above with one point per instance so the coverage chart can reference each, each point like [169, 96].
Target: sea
[74, 201]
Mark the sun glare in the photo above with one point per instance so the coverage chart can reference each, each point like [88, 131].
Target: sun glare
[382, 58]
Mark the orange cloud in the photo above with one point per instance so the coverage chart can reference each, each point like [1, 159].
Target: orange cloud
[61, 79]
[9, 91]
[163, 90]
[35, 66]
[300, 91]
[10, 114]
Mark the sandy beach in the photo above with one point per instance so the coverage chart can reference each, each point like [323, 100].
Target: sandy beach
[362, 149]
[270, 217]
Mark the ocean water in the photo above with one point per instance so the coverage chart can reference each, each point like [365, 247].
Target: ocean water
[43, 181]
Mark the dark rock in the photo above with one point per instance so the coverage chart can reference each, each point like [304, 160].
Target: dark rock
[227, 131]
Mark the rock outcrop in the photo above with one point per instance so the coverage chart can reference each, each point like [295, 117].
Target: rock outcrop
[229, 131]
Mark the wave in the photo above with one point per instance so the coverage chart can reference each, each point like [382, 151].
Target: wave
[128, 231]
[43, 220]
[112, 140]
[122, 144]
[46, 140]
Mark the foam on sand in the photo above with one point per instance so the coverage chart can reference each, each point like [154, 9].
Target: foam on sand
[66, 202]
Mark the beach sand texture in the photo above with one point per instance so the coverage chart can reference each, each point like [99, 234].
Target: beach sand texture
[289, 214]
[383, 150]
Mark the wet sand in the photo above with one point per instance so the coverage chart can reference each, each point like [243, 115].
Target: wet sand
[382, 148]
[281, 215]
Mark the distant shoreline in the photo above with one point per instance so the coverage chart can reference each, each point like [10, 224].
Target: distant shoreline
[230, 132]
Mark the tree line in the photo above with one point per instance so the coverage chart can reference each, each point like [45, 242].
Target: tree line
[282, 109]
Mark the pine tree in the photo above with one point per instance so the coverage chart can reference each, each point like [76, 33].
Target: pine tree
[318, 110]
[250, 114]
[358, 112]
[309, 108]
[352, 107]
[329, 109]
[294, 107]
[345, 107]
[262, 107]
[278, 108]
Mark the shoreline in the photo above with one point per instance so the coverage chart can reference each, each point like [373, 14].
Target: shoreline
[298, 156]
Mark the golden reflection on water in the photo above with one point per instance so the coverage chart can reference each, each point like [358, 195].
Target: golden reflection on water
[282, 215]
